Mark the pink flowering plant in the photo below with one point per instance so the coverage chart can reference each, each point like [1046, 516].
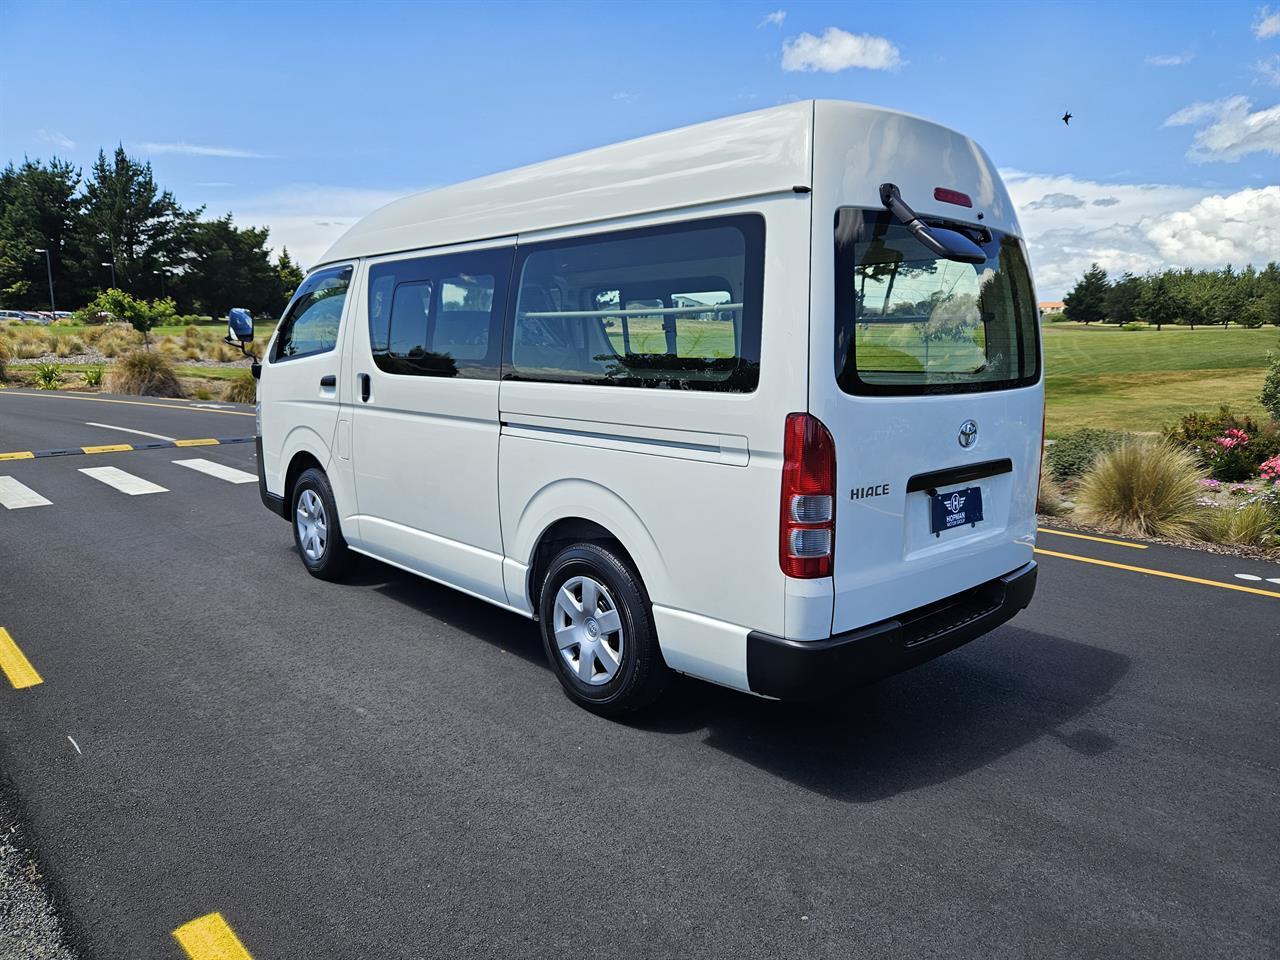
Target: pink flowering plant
[1269, 471]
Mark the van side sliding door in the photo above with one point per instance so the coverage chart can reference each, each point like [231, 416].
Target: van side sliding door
[425, 369]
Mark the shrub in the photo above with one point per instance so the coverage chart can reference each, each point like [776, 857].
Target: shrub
[202, 393]
[93, 377]
[1050, 501]
[1230, 446]
[1270, 396]
[1144, 487]
[48, 376]
[191, 332]
[4, 355]
[29, 347]
[241, 389]
[1072, 454]
[1250, 524]
[1133, 326]
[145, 374]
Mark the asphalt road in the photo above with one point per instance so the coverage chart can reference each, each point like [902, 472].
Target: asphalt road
[388, 769]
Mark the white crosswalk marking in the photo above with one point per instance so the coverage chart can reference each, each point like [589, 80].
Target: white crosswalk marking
[218, 470]
[15, 495]
[124, 482]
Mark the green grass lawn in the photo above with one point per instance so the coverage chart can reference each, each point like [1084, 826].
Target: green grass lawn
[1140, 380]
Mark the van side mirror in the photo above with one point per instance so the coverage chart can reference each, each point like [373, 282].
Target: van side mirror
[949, 244]
[240, 333]
[239, 325]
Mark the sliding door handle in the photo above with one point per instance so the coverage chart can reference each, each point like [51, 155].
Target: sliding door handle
[365, 386]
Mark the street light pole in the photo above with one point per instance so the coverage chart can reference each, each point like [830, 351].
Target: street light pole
[48, 263]
[112, 265]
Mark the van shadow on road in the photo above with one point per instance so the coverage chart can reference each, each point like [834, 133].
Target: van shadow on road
[942, 720]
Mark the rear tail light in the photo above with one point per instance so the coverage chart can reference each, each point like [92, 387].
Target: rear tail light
[806, 540]
[952, 196]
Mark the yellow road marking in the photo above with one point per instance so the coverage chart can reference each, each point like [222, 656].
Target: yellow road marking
[18, 455]
[108, 448]
[210, 938]
[195, 443]
[1081, 536]
[15, 664]
[1161, 573]
[51, 395]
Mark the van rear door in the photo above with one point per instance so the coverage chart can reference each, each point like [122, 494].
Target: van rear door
[934, 401]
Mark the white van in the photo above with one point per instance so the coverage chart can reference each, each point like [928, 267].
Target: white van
[758, 401]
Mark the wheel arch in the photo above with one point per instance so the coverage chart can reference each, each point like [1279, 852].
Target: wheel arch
[568, 511]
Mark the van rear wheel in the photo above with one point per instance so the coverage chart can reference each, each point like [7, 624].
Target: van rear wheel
[598, 633]
[316, 530]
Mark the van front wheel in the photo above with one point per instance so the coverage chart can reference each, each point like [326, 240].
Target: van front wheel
[598, 631]
[316, 531]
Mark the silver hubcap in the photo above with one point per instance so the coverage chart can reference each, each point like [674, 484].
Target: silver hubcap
[313, 526]
[588, 630]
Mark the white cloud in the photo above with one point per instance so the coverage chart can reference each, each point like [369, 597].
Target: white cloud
[56, 138]
[1139, 227]
[1056, 201]
[199, 150]
[308, 218]
[1266, 24]
[838, 50]
[1240, 228]
[1169, 59]
[624, 97]
[1229, 129]
[1268, 71]
[772, 19]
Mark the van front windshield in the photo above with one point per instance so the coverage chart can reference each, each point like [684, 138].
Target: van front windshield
[910, 322]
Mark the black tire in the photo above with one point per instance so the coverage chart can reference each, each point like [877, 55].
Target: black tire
[641, 674]
[335, 559]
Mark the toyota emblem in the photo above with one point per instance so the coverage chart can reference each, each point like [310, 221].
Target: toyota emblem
[968, 434]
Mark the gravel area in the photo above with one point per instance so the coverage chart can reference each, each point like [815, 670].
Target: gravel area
[30, 928]
[93, 357]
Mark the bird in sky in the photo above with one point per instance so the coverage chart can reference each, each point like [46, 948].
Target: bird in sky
[1066, 118]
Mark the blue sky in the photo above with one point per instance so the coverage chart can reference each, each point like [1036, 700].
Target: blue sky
[302, 116]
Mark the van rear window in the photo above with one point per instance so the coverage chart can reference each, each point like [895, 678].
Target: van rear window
[909, 322]
[674, 307]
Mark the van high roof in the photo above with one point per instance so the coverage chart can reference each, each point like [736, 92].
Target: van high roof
[751, 154]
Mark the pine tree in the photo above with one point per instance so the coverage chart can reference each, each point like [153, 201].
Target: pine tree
[1088, 301]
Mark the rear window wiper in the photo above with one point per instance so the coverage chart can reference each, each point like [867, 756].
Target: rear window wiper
[943, 242]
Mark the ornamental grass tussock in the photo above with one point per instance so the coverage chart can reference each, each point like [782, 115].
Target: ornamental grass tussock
[144, 374]
[1144, 488]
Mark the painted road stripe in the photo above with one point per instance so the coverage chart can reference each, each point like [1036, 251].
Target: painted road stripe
[124, 482]
[141, 433]
[55, 395]
[15, 664]
[1081, 536]
[210, 938]
[123, 447]
[15, 495]
[1160, 573]
[218, 470]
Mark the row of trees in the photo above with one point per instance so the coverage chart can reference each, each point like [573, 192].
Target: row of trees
[1192, 298]
[118, 216]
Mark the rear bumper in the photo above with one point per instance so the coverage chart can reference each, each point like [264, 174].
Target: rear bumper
[269, 500]
[812, 669]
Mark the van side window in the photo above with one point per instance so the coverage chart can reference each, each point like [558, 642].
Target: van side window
[676, 307]
[310, 324]
[439, 316]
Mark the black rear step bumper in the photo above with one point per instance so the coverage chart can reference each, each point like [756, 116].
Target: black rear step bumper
[813, 669]
[269, 500]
